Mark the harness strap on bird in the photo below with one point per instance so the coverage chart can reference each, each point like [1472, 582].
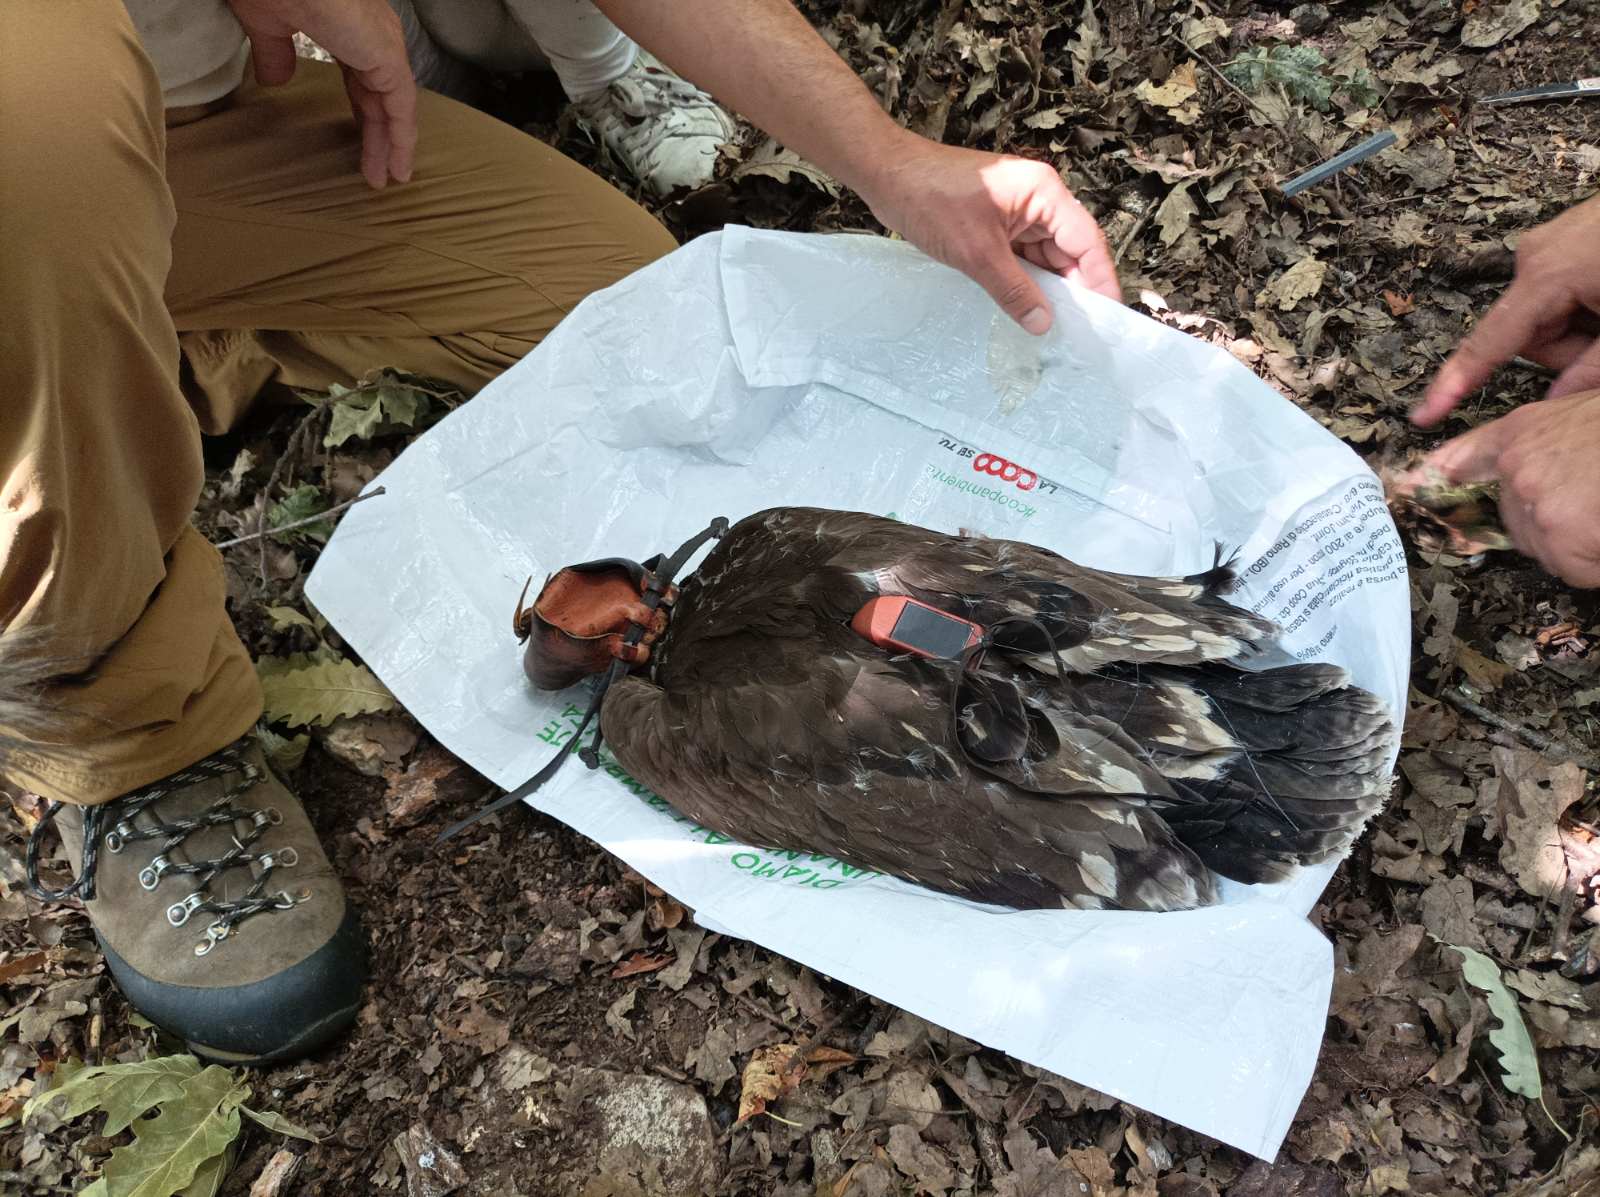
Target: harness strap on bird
[660, 579]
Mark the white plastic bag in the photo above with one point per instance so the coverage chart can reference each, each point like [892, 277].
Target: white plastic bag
[752, 369]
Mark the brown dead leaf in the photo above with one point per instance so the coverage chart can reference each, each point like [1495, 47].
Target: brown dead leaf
[1485, 674]
[664, 913]
[1179, 87]
[685, 943]
[1533, 795]
[1400, 304]
[642, 962]
[1492, 23]
[617, 1014]
[712, 1060]
[1301, 281]
[370, 743]
[775, 1071]
[481, 1028]
[23, 965]
[433, 776]
[1551, 988]
[919, 1161]
[1447, 912]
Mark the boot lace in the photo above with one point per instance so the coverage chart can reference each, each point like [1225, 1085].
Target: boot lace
[135, 818]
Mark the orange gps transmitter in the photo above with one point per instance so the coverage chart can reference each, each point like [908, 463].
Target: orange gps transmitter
[894, 621]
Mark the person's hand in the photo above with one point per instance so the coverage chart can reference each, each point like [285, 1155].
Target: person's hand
[978, 211]
[1544, 456]
[1550, 314]
[365, 39]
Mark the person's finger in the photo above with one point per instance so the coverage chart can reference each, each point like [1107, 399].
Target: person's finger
[1079, 239]
[1561, 537]
[400, 105]
[273, 58]
[1054, 257]
[1562, 352]
[1035, 252]
[1581, 374]
[1506, 330]
[374, 125]
[999, 273]
[1520, 522]
[1473, 456]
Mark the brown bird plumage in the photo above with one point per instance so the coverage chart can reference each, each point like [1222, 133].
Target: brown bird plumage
[1159, 760]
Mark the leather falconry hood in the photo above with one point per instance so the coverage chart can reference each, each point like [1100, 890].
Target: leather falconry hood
[578, 619]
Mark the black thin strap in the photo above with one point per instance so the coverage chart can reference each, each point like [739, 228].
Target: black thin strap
[660, 579]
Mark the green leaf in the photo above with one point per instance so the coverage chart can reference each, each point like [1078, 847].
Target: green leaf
[1298, 69]
[374, 407]
[1518, 1061]
[402, 404]
[358, 416]
[279, 1124]
[123, 1091]
[285, 752]
[98, 1189]
[208, 1180]
[1361, 87]
[319, 693]
[302, 502]
[169, 1150]
[284, 618]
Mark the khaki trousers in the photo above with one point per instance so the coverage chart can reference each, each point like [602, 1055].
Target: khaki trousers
[152, 281]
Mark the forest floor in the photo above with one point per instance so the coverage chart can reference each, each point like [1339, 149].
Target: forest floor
[543, 1018]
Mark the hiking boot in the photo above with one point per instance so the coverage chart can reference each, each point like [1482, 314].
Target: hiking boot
[217, 910]
[662, 130]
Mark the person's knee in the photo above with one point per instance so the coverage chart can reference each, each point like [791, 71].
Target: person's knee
[82, 145]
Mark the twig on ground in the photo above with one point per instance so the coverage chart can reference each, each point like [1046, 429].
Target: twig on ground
[987, 1140]
[290, 449]
[1456, 698]
[757, 1008]
[1132, 235]
[310, 519]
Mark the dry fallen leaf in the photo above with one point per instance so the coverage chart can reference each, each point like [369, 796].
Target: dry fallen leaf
[1490, 24]
[1399, 304]
[774, 1072]
[665, 913]
[1534, 793]
[1300, 281]
[1178, 88]
[642, 962]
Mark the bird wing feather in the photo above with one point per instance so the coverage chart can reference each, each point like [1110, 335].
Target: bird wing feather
[856, 755]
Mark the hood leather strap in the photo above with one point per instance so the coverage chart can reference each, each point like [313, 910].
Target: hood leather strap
[660, 579]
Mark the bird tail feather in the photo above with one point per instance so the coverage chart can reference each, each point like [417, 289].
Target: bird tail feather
[1307, 768]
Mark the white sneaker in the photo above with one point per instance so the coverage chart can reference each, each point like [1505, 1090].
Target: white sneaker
[658, 127]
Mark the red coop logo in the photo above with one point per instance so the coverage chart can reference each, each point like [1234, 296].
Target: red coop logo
[1006, 471]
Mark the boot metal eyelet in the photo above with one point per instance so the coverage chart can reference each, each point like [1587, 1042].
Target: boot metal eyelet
[118, 837]
[178, 913]
[215, 934]
[150, 876]
[283, 858]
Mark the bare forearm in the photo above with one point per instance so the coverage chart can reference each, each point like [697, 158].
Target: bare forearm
[761, 58]
[971, 210]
